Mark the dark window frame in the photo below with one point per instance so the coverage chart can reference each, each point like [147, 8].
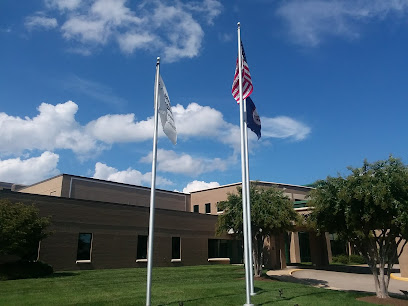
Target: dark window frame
[208, 208]
[175, 248]
[141, 252]
[84, 248]
[198, 208]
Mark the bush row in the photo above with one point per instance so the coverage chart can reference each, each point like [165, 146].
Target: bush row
[24, 269]
[345, 259]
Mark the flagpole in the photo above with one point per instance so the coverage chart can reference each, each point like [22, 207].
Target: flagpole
[248, 204]
[244, 196]
[153, 187]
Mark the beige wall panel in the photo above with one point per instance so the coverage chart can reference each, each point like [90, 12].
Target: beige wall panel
[403, 260]
[48, 187]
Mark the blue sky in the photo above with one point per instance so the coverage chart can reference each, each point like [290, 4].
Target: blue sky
[77, 78]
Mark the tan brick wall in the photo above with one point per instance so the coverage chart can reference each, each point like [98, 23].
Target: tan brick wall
[115, 228]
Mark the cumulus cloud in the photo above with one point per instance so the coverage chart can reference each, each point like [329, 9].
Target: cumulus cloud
[169, 27]
[120, 128]
[197, 120]
[309, 22]
[128, 176]
[30, 170]
[54, 127]
[284, 127]
[40, 22]
[170, 161]
[199, 185]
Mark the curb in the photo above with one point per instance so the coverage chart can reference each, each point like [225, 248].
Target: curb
[404, 279]
[294, 270]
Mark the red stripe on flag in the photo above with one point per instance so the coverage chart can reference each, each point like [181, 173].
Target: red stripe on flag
[247, 87]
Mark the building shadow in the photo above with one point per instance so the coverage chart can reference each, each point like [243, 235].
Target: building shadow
[363, 269]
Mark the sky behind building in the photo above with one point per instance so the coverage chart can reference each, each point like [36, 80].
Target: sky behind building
[77, 77]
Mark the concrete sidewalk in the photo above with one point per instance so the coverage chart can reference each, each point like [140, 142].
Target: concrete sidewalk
[355, 278]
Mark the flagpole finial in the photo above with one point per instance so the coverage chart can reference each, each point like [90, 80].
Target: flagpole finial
[239, 24]
[158, 60]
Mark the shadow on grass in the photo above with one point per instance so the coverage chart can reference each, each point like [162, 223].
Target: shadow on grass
[305, 281]
[342, 268]
[61, 274]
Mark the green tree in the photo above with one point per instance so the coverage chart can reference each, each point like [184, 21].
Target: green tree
[21, 229]
[272, 213]
[369, 208]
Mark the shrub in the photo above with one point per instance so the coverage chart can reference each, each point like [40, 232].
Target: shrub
[357, 259]
[24, 269]
[343, 259]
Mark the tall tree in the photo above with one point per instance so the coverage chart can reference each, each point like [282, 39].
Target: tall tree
[369, 208]
[21, 229]
[272, 213]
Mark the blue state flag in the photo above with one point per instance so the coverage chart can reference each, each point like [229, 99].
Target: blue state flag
[253, 119]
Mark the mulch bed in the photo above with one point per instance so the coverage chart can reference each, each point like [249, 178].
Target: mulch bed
[389, 301]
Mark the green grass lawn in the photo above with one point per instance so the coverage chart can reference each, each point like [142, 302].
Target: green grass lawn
[199, 285]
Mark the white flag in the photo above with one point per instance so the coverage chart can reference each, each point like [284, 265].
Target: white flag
[166, 116]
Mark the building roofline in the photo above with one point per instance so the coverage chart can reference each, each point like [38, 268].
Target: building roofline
[85, 201]
[263, 182]
[40, 182]
[102, 181]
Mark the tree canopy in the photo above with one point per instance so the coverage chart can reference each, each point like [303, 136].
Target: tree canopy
[271, 213]
[21, 229]
[369, 208]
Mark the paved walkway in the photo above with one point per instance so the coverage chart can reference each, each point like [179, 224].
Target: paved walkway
[356, 278]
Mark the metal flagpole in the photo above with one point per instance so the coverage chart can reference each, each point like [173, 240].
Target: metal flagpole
[244, 206]
[248, 204]
[153, 187]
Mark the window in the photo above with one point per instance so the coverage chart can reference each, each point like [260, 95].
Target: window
[208, 208]
[218, 248]
[84, 247]
[196, 208]
[141, 247]
[175, 248]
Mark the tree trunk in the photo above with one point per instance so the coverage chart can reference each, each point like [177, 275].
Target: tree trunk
[383, 290]
[381, 285]
[258, 241]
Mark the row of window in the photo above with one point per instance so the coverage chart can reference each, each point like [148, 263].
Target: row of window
[196, 208]
[216, 247]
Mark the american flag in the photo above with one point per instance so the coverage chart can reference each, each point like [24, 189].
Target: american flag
[247, 87]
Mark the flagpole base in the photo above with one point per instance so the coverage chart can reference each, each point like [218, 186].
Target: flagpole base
[253, 293]
[248, 304]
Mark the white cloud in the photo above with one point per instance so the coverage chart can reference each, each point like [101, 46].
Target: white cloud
[199, 185]
[184, 32]
[169, 27]
[210, 8]
[63, 4]
[197, 120]
[128, 176]
[29, 170]
[128, 42]
[40, 22]
[54, 127]
[284, 127]
[120, 128]
[193, 121]
[170, 161]
[311, 21]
